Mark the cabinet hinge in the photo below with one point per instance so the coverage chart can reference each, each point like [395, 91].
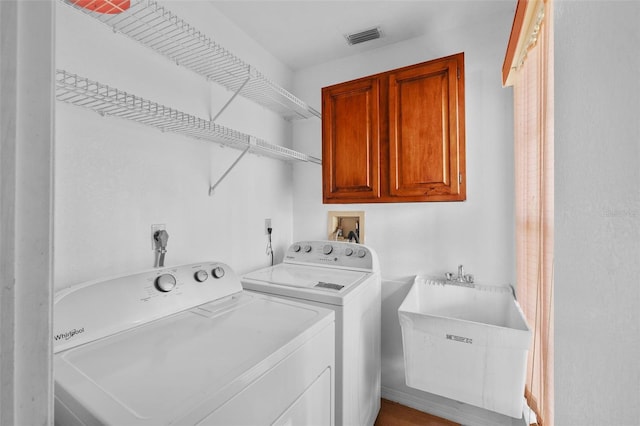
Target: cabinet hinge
[460, 178]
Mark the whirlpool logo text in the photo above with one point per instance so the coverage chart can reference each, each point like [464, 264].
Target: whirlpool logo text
[68, 334]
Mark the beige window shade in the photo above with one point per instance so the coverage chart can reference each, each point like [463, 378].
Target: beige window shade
[529, 68]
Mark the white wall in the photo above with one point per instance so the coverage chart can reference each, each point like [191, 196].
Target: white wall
[26, 240]
[431, 238]
[434, 237]
[115, 178]
[597, 213]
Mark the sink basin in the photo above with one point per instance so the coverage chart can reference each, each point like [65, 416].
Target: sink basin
[467, 342]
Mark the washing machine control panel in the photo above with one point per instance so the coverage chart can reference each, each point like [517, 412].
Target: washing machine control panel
[334, 253]
[91, 310]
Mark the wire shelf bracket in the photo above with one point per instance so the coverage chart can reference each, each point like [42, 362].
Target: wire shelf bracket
[231, 99]
[213, 187]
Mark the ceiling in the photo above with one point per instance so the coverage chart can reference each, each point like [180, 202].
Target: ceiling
[302, 33]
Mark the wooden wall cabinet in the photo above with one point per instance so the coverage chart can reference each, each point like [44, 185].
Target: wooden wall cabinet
[396, 136]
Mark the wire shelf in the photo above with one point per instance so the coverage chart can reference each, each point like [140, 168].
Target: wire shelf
[107, 100]
[159, 29]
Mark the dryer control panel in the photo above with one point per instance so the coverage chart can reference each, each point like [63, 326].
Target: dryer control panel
[333, 253]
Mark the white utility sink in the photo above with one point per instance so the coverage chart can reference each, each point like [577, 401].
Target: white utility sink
[467, 342]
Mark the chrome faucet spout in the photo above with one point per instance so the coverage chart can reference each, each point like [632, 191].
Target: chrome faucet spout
[462, 278]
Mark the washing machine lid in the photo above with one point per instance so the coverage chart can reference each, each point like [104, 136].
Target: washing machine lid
[323, 284]
[183, 365]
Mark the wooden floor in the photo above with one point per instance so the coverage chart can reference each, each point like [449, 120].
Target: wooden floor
[394, 414]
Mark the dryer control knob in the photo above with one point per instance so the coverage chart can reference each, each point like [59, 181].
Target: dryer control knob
[295, 248]
[201, 275]
[327, 249]
[362, 253]
[348, 251]
[165, 282]
[217, 272]
[307, 249]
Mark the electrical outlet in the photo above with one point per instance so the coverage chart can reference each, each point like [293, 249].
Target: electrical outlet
[154, 229]
[267, 225]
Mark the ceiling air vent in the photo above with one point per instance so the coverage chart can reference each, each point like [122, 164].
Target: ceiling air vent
[362, 36]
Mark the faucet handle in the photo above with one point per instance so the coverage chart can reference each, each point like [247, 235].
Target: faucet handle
[161, 237]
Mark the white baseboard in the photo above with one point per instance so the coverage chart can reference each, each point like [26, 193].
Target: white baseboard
[451, 410]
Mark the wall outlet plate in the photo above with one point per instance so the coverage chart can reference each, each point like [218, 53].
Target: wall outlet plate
[154, 229]
[267, 225]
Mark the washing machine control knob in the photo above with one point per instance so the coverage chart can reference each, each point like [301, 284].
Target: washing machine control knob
[348, 251]
[327, 249]
[362, 253]
[307, 249]
[296, 248]
[201, 275]
[165, 282]
[217, 272]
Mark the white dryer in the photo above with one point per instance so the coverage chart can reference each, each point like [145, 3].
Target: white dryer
[186, 345]
[346, 278]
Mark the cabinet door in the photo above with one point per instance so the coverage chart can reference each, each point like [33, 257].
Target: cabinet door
[426, 131]
[351, 141]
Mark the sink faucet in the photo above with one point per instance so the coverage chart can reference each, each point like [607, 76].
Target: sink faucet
[461, 278]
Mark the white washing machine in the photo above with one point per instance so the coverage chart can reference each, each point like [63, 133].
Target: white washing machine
[346, 278]
[186, 345]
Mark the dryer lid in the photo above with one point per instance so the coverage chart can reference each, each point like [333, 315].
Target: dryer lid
[159, 372]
